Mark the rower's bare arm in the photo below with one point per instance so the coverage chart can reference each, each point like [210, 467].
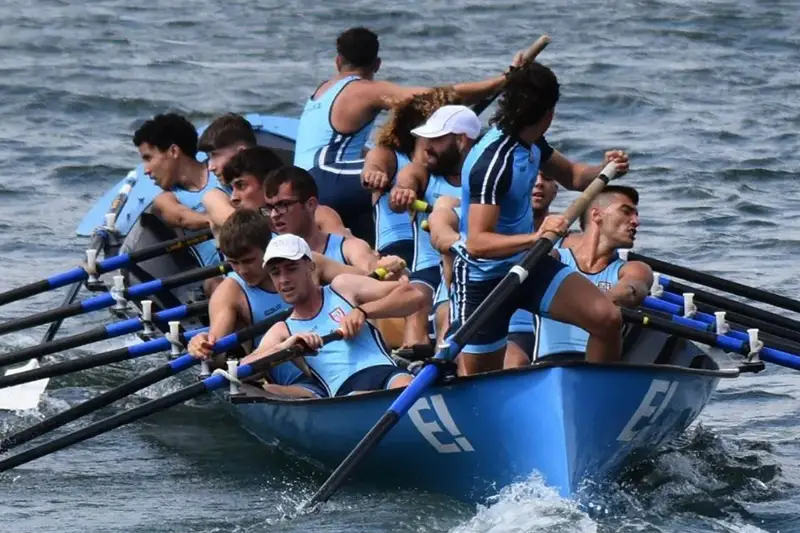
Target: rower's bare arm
[635, 280]
[383, 95]
[483, 242]
[380, 299]
[218, 206]
[578, 176]
[412, 177]
[360, 255]
[222, 314]
[328, 269]
[176, 214]
[379, 165]
[271, 342]
[329, 221]
[474, 91]
[443, 225]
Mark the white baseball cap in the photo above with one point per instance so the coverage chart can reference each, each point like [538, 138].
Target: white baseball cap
[456, 119]
[286, 246]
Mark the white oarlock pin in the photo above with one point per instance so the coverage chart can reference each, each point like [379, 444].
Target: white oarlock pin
[204, 370]
[91, 265]
[147, 318]
[233, 370]
[174, 338]
[656, 290]
[689, 309]
[755, 345]
[118, 293]
[722, 325]
[110, 218]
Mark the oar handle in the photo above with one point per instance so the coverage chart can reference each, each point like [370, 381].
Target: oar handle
[420, 206]
[528, 54]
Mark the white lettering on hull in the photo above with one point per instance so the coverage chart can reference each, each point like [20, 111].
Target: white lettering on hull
[428, 430]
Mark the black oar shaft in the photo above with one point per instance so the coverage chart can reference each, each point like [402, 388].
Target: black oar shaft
[103, 426]
[715, 282]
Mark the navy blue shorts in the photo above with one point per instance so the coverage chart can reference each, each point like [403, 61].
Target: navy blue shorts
[377, 377]
[311, 384]
[339, 187]
[535, 295]
[403, 249]
[431, 276]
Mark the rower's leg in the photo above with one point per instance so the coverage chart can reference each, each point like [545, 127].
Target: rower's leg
[441, 321]
[579, 302]
[427, 282]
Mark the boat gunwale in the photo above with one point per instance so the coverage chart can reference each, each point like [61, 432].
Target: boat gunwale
[265, 397]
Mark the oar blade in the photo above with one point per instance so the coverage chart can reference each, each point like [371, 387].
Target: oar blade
[24, 396]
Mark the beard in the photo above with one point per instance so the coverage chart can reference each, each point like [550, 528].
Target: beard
[447, 163]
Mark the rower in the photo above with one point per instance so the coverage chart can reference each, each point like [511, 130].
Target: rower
[337, 120]
[168, 146]
[248, 294]
[291, 201]
[245, 173]
[443, 224]
[359, 363]
[497, 227]
[609, 224]
[433, 174]
[394, 149]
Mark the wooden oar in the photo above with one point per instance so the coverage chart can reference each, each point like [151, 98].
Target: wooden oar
[193, 391]
[145, 380]
[107, 300]
[720, 284]
[430, 373]
[529, 54]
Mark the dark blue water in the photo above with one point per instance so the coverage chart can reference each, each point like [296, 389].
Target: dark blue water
[703, 95]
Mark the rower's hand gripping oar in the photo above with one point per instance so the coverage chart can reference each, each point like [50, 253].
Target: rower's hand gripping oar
[145, 380]
[529, 54]
[430, 373]
[80, 274]
[212, 383]
[117, 294]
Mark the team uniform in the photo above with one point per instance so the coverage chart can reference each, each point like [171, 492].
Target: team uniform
[343, 367]
[393, 232]
[556, 337]
[263, 304]
[206, 252]
[425, 268]
[335, 160]
[334, 247]
[500, 170]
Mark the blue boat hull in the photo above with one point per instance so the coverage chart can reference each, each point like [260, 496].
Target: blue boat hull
[570, 422]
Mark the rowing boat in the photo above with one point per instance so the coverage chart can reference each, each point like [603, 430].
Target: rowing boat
[572, 422]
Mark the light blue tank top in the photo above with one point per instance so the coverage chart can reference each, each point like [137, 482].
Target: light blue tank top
[425, 256]
[317, 139]
[500, 170]
[206, 252]
[334, 248]
[263, 304]
[339, 360]
[557, 337]
[391, 227]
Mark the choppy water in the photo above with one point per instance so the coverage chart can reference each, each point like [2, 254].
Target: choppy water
[704, 95]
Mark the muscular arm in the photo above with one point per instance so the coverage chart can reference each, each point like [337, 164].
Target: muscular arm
[413, 176]
[443, 224]
[483, 242]
[573, 176]
[328, 269]
[176, 214]
[270, 343]
[635, 280]
[223, 309]
[358, 253]
[472, 92]
[218, 206]
[379, 159]
[329, 221]
[380, 299]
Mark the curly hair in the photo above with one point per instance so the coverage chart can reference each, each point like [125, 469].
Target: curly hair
[530, 91]
[411, 113]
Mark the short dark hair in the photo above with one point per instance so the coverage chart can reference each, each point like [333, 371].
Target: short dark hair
[529, 92]
[609, 190]
[243, 230]
[162, 131]
[227, 130]
[257, 161]
[303, 184]
[358, 47]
